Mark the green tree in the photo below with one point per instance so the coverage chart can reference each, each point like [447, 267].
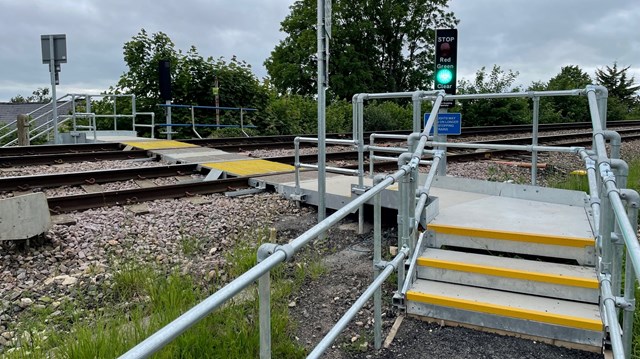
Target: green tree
[567, 108]
[623, 102]
[616, 81]
[488, 112]
[193, 78]
[40, 95]
[375, 46]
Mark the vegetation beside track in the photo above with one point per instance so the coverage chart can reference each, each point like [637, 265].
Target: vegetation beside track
[140, 298]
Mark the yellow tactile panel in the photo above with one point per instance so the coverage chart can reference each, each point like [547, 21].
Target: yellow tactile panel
[249, 167]
[158, 145]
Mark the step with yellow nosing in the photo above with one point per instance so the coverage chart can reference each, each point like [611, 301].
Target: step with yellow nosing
[566, 241]
[591, 283]
[249, 167]
[158, 144]
[505, 304]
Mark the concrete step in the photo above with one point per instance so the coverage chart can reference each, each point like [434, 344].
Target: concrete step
[557, 321]
[577, 283]
[578, 248]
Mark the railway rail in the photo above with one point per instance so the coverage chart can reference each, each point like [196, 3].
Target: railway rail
[122, 197]
[74, 153]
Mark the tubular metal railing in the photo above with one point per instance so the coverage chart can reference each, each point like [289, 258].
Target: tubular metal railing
[615, 228]
[45, 127]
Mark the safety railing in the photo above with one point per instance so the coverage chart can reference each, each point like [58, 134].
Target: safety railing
[169, 123]
[615, 230]
[271, 255]
[33, 133]
[45, 127]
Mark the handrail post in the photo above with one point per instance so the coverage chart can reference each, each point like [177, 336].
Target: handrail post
[264, 294]
[633, 201]
[377, 257]
[115, 111]
[534, 140]
[404, 227]
[296, 164]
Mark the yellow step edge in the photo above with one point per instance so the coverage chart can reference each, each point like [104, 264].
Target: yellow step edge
[158, 144]
[505, 311]
[249, 167]
[565, 241]
[510, 273]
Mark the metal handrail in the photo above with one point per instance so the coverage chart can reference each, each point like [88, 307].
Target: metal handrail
[270, 255]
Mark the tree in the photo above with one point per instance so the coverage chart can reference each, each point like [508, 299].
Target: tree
[615, 80]
[193, 78]
[375, 46]
[622, 98]
[488, 112]
[568, 108]
[40, 95]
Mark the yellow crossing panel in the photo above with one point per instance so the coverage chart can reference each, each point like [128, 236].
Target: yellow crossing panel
[158, 144]
[566, 241]
[249, 167]
[506, 311]
[510, 273]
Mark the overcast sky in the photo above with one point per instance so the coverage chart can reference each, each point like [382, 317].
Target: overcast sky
[535, 38]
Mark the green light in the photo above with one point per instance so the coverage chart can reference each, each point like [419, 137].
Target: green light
[444, 76]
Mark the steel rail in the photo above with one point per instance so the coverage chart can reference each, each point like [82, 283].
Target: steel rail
[24, 183]
[270, 141]
[131, 196]
[59, 158]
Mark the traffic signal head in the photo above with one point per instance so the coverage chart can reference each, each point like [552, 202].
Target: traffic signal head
[446, 60]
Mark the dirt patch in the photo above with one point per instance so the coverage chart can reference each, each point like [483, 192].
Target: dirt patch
[347, 257]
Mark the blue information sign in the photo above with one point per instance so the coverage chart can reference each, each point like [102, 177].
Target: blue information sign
[448, 123]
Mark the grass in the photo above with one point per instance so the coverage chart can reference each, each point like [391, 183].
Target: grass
[580, 183]
[143, 297]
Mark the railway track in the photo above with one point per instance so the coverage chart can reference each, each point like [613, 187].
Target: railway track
[129, 196]
[52, 154]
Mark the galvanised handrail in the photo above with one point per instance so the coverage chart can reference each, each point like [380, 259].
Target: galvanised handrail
[275, 254]
[31, 121]
[606, 208]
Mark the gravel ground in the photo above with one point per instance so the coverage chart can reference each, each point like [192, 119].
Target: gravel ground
[75, 259]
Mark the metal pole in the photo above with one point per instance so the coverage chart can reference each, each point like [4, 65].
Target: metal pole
[534, 140]
[377, 257]
[54, 101]
[629, 284]
[321, 113]
[442, 166]
[168, 109]
[217, 103]
[360, 302]
[115, 119]
[264, 292]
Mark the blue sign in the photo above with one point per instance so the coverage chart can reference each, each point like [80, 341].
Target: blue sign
[448, 123]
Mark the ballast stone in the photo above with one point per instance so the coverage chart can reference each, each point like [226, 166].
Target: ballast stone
[24, 217]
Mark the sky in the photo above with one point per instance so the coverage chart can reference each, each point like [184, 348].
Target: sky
[535, 38]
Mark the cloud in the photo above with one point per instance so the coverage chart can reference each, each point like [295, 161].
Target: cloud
[535, 38]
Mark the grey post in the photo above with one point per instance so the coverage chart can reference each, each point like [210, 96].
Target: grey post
[54, 101]
[168, 112]
[377, 257]
[23, 130]
[534, 140]
[322, 181]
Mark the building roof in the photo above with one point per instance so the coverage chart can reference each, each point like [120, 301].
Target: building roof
[10, 111]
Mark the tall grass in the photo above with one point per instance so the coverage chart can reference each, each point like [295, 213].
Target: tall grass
[142, 298]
